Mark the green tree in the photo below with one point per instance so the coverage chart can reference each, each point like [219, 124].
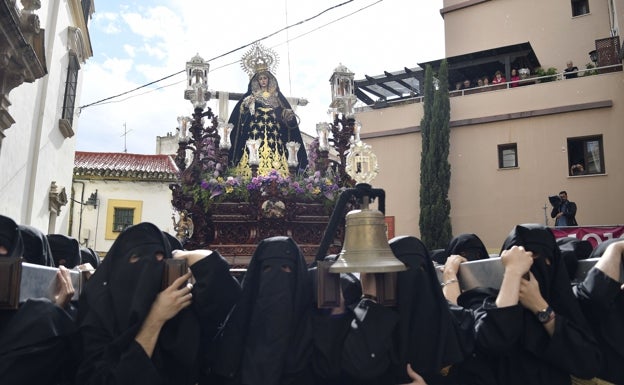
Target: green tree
[435, 170]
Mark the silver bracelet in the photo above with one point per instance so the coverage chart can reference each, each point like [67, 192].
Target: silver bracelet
[453, 280]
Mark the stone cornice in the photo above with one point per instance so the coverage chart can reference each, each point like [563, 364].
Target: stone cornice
[75, 7]
[22, 54]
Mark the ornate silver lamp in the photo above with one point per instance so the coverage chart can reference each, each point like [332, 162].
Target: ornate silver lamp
[224, 129]
[197, 82]
[342, 89]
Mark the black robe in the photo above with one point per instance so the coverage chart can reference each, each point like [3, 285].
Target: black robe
[117, 299]
[512, 346]
[379, 341]
[330, 330]
[37, 340]
[267, 338]
[602, 301]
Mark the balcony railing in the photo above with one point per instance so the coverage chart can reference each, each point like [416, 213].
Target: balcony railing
[531, 80]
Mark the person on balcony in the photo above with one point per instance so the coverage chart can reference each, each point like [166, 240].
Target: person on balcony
[515, 78]
[571, 71]
[498, 78]
[564, 212]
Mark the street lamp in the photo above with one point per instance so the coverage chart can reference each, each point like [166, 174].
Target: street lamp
[593, 56]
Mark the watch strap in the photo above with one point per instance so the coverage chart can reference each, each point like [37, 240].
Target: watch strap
[546, 315]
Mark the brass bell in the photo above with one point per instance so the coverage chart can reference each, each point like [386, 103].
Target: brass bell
[366, 248]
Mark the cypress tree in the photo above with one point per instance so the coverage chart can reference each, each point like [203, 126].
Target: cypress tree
[435, 170]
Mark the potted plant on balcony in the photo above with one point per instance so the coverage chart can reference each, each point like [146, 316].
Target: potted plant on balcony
[545, 76]
[590, 69]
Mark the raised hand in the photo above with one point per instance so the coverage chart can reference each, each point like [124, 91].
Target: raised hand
[168, 303]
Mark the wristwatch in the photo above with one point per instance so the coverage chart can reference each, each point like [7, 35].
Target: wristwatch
[546, 315]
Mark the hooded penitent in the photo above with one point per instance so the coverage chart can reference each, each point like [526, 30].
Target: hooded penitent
[65, 250]
[37, 339]
[468, 246]
[548, 267]
[602, 300]
[427, 337]
[88, 255]
[572, 348]
[117, 299]
[572, 250]
[10, 237]
[266, 339]
[36, 246]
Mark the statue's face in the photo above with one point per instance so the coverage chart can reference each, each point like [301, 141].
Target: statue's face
[263, 80]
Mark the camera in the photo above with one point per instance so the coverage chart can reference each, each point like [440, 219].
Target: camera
[555, 200]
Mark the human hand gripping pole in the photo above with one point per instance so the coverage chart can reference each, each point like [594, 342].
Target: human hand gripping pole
[168, 303]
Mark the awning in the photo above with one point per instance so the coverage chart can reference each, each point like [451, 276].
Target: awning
[390, 86]
[478, 64]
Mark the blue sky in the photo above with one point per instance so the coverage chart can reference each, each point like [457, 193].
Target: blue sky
[137, 42]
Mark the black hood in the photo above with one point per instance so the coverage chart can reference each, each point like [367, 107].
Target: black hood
[36, 246]
[65, 250]
[10, 237]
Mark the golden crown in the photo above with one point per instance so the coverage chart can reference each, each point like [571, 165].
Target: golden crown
[259, 59]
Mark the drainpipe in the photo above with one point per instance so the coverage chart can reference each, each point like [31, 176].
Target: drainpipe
[613, 24]
[71, 212]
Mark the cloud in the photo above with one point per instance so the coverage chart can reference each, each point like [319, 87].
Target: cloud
[130, 50]
[154, 51]
[160, 36]
[117, 68]
[108, 22]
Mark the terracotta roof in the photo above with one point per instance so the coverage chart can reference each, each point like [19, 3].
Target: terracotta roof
[120, 165]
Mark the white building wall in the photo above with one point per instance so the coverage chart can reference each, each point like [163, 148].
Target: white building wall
[156, 208]
[35, 153]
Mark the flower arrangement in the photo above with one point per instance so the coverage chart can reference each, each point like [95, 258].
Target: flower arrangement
[314, 187]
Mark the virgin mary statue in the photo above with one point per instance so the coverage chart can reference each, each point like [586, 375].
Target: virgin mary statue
[264, 116]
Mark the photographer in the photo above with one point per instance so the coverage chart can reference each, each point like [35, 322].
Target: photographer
[564, 211]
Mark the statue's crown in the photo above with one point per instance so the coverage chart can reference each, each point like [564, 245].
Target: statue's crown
[259, 59]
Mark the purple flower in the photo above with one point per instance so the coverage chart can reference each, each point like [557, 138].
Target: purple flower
[216, 191]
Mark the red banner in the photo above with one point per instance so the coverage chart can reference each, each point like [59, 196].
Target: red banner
[593, 234]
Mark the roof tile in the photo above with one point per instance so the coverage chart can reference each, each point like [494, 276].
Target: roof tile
[116, 164]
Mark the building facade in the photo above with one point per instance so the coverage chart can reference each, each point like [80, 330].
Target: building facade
[43, 46]
[511, 147]
[115, 190]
